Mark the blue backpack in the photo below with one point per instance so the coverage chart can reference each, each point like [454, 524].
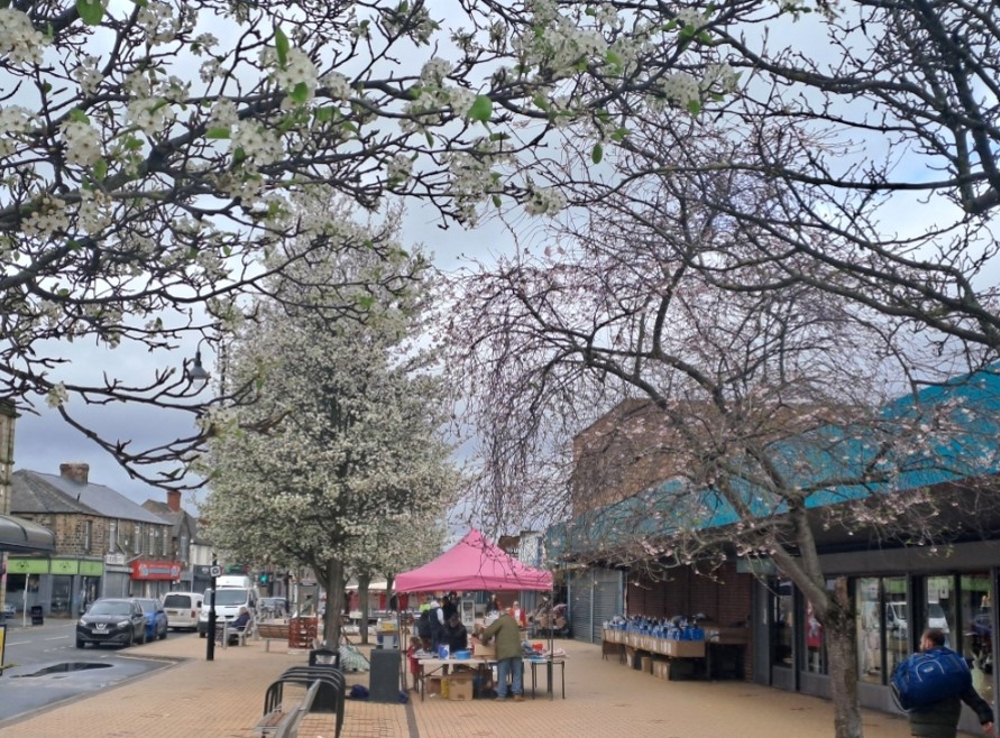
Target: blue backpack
[928, 677]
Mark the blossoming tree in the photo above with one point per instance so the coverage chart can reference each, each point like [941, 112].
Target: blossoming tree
[710, 423]
[341, 449]
[153, 153]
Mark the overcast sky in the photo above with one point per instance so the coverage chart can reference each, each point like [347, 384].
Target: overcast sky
[43, 442]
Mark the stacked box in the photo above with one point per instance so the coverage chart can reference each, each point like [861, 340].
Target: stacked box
[685, 649]
[433, 685]
[459, 688]
[647, 664]
[485, 652]
[680, 669]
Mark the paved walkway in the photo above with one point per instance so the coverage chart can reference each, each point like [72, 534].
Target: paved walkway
[223, 699]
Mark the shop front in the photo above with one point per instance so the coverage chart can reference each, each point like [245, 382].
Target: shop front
[154, 578]
[62, 587]
[896, 595]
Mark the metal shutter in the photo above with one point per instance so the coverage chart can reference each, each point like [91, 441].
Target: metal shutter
[607, 599]
[581, 596]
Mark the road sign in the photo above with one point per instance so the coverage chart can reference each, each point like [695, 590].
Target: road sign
[215, 571]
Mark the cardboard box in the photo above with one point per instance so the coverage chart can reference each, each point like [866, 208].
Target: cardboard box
[486, 652]
[661, 669]
[647, 664]
[459, 688]
[432, 685]
[685, 649]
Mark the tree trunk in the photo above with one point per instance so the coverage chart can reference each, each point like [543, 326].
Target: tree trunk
[363, 583]
[842, 654]
[334, 585]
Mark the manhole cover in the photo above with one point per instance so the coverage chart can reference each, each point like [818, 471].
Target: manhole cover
[63, 669]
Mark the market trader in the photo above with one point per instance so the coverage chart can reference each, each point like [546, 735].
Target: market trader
[940, 720]
[509, 655]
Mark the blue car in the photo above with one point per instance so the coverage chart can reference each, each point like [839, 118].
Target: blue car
[156, 618]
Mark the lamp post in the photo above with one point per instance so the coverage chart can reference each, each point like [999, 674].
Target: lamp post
[8, 416]
[210, 646]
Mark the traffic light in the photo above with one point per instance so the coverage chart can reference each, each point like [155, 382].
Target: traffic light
[263, 577]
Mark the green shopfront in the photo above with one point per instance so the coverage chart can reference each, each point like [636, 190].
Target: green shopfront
[61, 586]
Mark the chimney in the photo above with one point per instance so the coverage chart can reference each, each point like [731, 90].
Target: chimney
[77, 471]
[174, 500]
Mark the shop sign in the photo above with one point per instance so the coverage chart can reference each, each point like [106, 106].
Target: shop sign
[65, 566]
[156, 570]
[27, 566]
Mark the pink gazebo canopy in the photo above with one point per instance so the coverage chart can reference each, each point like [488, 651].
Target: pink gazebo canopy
[474, 563]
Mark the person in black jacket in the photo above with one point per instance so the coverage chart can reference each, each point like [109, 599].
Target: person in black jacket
[940, 720]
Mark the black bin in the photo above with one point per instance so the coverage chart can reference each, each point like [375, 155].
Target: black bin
[37, 615]
[383, 683]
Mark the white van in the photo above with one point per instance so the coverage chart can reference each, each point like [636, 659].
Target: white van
[231, 593]
[182, 609]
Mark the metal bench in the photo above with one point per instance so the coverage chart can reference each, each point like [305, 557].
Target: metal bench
[277, 723]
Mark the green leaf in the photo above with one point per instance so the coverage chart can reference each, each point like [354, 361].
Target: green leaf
[613, 59]
[404, 8]
[218, 133]
[90, 11]
[542, 102]
[597, 154]
[619, 135]
[239, 155]
[482, 109]
[141, 3]
[323, 115]
[301, 93]
[281, 46]
[100, 169]
[496, 200]
[694, 107]
[78, 115]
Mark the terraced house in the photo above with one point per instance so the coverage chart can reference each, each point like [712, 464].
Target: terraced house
[106, 545]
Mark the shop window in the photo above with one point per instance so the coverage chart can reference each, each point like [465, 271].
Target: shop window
[62, 589]
[868, 605]
[782, 622]
[898, 619]
[88, 535]
[940, 607]
[977, 630]
[815, 650]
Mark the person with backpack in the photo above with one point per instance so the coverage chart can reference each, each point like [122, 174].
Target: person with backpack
[940, 719]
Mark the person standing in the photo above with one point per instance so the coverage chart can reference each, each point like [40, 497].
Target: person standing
[436, 616]
[509, 655]
[940, 719]
[456, 634]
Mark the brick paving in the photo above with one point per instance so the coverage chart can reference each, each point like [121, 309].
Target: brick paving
[224, 698]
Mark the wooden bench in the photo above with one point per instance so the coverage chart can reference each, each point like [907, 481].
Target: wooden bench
[271, 631]
[280, 724]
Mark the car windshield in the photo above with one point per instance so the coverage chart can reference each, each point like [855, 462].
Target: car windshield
[148, 605]
[109, 608]
[230, 597]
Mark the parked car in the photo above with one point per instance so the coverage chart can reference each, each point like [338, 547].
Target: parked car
[109, 621]
[156, 618]
[182, 609]
[9, 610]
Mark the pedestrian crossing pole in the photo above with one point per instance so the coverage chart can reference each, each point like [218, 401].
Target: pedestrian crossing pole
[210, 646]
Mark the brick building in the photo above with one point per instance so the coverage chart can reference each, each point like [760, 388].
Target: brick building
[106, 545]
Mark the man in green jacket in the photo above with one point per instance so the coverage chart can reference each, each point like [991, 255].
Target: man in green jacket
[509, 655]
[940, 720]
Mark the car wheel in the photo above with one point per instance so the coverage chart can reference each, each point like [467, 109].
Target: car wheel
[142, 638]
[80, 644]
[163, 635]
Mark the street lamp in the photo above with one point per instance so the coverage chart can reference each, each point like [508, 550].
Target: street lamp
[198, 373]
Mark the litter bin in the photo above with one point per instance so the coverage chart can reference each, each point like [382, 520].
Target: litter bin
[37, 615]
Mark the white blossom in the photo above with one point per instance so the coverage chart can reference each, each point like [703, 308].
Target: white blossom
[19, 40]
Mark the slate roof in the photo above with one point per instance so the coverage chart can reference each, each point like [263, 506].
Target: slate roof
[176, 519]
[35, 492]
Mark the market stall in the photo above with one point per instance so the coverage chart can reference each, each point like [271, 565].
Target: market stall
[476, 564]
